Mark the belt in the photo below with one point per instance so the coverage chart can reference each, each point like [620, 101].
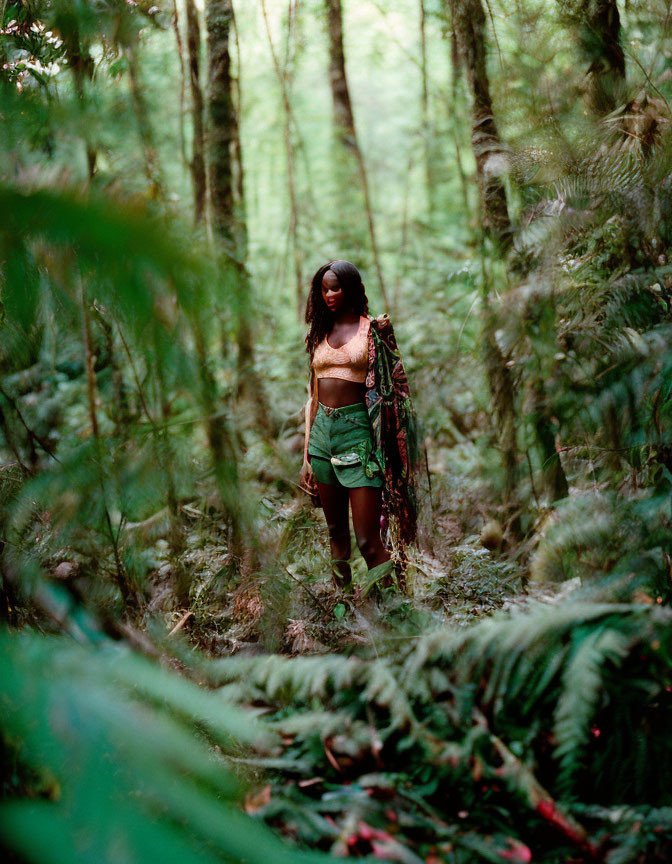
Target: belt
[345, 412]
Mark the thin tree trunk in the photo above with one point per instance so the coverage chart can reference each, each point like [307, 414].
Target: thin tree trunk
[164, 451]
[121, 578]
[282, 75]
[551, 466]
[227, 196]
[344, 122]
[469, 25]
[224, 453]
[426, 128]
[403, 238]
[142, 115]
[82, 65]
[164, 456]
[221, 115]
[180, 58]
[119, 409]
[455, 69]
[197, 163]
[599, 38]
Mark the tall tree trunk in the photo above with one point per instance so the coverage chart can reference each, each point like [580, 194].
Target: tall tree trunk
[426, 127]
[180, 60]
[227, 197]
[124, 584]
[551, 466]
[142, 116]
[283, 80]
[469, 28]
[599, 39]
[225, 455]
[197, 163]
[344, 122]
[82, 65]
[469, 25]
[219, 15]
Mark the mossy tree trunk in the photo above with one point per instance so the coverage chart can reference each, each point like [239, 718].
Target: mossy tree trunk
[282, 73]
[227, 197]
[344, 123]
[468, 19]
[427, 131]
[599, 35]
[197, 162]
[142, 112]
[82, 64]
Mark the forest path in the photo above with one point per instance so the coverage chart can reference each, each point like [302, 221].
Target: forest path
[292, 606]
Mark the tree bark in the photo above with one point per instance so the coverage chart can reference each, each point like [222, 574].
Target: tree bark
[283, 81]
[469, 25]
[197, 163]
[344, 122]
[180, 60]
[599, 39]
[82, 65]
[468, 19]
[124, 584]
[551, 466]
[227, 197]
[426, 127]
[219, 15]
[142, 115]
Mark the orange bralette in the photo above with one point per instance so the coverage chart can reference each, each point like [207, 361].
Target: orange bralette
[349, 361]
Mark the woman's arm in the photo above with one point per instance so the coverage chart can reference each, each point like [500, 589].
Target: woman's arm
[310, 411]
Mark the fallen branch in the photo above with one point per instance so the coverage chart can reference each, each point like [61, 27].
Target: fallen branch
[538, 799]
[180, 624]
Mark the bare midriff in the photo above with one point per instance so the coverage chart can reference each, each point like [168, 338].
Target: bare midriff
[336, 392]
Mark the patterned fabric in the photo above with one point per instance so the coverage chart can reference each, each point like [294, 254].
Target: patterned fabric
[394, 426]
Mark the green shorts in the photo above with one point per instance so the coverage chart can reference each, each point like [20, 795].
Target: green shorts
[340, 447]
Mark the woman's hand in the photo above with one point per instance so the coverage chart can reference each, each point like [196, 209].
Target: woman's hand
[307, 475]
[309, 484]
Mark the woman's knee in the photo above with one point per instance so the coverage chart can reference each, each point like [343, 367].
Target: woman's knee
[339, 541]
[369, 545]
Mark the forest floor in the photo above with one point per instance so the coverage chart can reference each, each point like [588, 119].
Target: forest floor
[468, 565]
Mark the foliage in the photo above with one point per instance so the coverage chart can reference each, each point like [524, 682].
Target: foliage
[136, 478]
[120, 759]
[490, 731]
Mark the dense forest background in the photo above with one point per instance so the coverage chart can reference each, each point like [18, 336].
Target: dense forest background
[180, 680]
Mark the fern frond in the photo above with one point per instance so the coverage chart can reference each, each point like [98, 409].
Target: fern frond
[581, 693]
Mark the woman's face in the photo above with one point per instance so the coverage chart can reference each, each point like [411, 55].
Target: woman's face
[332, 293]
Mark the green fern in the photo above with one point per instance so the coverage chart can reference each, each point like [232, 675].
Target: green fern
[582, 688]
[159, 790]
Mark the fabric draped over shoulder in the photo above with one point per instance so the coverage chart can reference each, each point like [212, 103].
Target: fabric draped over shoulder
[395, 432]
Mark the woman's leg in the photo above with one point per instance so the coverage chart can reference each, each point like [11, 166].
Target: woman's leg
[366, 502]
[334, 499]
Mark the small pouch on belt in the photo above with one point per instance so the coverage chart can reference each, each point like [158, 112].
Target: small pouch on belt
[345, 460]
[361, 456]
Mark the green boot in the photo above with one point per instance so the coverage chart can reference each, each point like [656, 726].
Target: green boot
[341, 574]
[375, 574]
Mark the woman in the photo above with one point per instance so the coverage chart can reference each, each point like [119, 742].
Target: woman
[360, 447]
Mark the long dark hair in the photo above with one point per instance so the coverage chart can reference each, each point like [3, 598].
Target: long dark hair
[318, 316]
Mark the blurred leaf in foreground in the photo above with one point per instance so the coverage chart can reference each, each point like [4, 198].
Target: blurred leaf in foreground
[109, 741]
